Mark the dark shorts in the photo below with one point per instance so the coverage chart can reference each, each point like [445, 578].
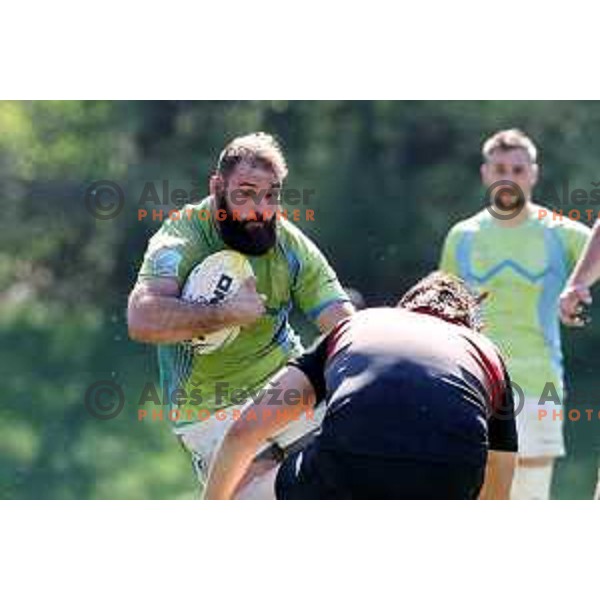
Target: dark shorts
[318, 474]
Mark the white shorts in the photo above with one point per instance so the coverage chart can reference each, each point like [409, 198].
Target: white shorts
[540, 435]
[202, 439]
[532, 483]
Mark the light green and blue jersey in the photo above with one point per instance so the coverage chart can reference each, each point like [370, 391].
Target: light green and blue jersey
[524, 269]
[293, 273]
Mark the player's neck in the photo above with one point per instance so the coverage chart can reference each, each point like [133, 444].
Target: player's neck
[524, 215]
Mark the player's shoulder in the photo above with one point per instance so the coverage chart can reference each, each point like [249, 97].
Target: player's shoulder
[290, 231]
[182, 241]
[472, 224]
[192, 223]
[491, 351]
[293, 238]
[558, 222]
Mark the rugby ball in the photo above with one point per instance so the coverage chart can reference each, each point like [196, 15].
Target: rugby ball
[214, 280]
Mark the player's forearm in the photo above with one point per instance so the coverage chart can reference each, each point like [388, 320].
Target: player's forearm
[498, 476]
[166, 320]
[587, 270]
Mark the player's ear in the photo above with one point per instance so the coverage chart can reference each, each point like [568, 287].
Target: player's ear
[484, 170]
[216, 184]
[535, 172]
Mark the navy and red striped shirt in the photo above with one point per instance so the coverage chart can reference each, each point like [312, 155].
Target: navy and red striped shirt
[403, 384]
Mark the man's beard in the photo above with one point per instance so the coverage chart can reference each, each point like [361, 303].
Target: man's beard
[252, 237]
[508, 200]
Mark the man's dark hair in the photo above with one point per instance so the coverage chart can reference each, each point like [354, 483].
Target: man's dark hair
[447, 297]
[258, 149]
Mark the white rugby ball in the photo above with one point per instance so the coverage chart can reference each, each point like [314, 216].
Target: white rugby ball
[214, 280]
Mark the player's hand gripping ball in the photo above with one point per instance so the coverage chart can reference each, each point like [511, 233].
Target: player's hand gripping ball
[216, 279]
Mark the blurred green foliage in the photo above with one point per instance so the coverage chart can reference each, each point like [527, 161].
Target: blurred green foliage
[390, 178]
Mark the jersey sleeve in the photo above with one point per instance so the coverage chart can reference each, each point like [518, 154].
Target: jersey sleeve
[448, 260]
[312, 364]
[502, 428]
[172, 252]
[316, 285]
[575, 236]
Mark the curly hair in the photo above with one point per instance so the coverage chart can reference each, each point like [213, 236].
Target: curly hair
[255, 148]
[445, 296]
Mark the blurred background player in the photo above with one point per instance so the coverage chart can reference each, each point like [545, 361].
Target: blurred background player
[517, 252]
[289, 269]
[415, 400]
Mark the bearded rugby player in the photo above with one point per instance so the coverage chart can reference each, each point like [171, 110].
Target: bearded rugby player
[289, 271]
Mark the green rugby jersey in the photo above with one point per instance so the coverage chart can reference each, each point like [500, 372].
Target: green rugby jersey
[293, 272]
[524, 269]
